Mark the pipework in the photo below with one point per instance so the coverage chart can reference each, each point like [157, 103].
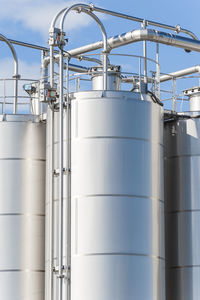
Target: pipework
[57, 39]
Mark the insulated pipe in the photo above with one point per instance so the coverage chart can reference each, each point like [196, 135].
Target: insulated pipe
[180, 73]
[86, 9]
[137, 36]
[141, 35]
[16, 75]
[51, 56]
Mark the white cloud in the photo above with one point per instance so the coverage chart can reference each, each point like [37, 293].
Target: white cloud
[38, 14]
[26, 70]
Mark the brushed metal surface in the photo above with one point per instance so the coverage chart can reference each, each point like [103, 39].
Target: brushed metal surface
[117, 199]
[117, 194]
[22, 207]
[182, 190]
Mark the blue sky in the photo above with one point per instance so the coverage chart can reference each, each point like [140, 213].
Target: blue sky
[29, 20]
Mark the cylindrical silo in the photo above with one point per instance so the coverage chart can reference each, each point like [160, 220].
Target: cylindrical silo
[182, 207]
[117, 205]
[117, 248]
[117, 214]
[22, 207]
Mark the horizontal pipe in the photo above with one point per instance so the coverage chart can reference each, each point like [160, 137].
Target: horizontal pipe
[180, 73]
[76, 68]
[141, 35]
[91, 7]
[28, 45]
[136, 36]
[134, 79]
[148, 22]
[166, 77]
[95, 60]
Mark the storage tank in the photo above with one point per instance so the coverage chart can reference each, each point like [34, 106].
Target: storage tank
[22, 207]
[117, 213]
[182, 205]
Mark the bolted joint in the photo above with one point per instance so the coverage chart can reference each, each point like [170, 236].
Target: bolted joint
[177, 28]
[91, 5]
[144, 24]
[79, 9]
[67, 105]
[60, 276]
[105, 52]
[16, 76]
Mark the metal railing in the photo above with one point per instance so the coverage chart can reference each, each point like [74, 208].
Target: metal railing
[172, 94]
[79, 81]
[7, 96]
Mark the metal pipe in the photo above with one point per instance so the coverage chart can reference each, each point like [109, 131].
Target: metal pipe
[140, 20]
[51, 204]
[145, 54]
[180, 73]
[72, 67]
[28, 45]
[76, 68]
[51, 56]
[141, 35]
[68, 254]
[95, 60]
[60, 257]
[86, 9]
[157, 71]
[16, 75]
[176, 28]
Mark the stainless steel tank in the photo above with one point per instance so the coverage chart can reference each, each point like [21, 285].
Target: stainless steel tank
[194, 98]
[22, 207]
[113, 78]
[117, 213]
[182, 207]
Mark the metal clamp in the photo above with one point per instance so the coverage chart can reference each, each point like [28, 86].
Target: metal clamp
[56, 37]
[65, 171]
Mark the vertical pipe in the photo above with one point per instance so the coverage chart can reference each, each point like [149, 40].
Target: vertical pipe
[4, 96]
[44, 79]
[51, 242]
[173, 94]
[15, 93]
[51, 225]
[51, 66]
[60, 258]
[175, 97]
[140, 74]
[157, 71]
[68, 182]
[145, 54]
[105, 67]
